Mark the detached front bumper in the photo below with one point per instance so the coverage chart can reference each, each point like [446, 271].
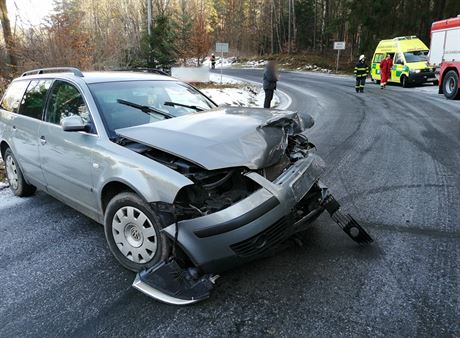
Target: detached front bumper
[249, 228]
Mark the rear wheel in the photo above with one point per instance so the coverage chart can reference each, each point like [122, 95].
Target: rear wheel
[450, 85]
[18, 184]
[132, 230]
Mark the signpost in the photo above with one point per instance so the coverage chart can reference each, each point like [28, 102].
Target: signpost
[221, 47]
[338, 46]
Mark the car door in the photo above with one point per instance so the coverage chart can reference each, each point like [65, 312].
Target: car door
[9, 108]
[398, 67]
[25, 130]
[65, 155]
[375, 67]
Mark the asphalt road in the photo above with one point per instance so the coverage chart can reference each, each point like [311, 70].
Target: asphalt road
[394, 159]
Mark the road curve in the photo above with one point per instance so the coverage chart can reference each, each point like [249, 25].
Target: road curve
[393, 159]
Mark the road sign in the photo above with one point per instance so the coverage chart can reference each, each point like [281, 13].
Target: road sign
[339, 45]
[221, 47]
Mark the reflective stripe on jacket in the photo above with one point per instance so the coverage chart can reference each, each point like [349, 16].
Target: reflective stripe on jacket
[361, 69]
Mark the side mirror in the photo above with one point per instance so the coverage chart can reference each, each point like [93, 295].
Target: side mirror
[73, 123]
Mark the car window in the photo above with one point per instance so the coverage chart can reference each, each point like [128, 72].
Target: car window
[399, 59]
[172, 97]
[13, 96]
[34, 98]
[378, 57]
[66, 100]
[417, 56]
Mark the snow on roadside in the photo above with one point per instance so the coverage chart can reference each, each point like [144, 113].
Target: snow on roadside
[239, 93]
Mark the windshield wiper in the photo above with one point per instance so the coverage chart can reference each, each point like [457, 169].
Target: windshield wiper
[172, 104]
[145, 109]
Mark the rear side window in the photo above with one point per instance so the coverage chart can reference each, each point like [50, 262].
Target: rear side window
[13, 96]
[378, 57]
[34, 98]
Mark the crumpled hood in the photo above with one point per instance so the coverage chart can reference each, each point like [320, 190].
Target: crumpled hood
[221, 138]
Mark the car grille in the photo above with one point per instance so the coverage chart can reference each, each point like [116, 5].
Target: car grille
[264, 240]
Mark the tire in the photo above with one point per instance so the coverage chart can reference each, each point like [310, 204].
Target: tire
[125, 227]
[18, 184]
[450, 85]
[404, 81]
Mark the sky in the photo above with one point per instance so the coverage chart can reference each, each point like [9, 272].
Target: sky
[28, 12]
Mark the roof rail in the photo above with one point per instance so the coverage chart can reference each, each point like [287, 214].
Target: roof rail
[143, 70]
[409, 37]
[75, 71]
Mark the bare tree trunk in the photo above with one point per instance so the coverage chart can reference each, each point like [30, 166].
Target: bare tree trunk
[314, 24]
[9, 43]
[272, 9]
[289, 27]
[294, 26]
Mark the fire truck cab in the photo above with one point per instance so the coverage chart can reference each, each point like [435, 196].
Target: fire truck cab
[445, 55]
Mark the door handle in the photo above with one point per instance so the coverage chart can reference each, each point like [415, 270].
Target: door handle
[42, 140]
[14, 128]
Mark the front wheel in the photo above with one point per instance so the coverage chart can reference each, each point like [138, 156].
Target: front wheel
[132, 230]
[450, 85]
[18, 184]
[404, 81]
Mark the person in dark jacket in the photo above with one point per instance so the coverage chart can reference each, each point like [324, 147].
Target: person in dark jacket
[270, 79]
[361, 71]
[213, 61]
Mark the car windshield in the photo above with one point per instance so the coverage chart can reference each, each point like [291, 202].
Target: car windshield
[132, 103]
[417, 56]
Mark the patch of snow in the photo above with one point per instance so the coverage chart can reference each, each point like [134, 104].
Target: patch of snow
[221, 62]
[247, 96]
[254, 64]
[7, 199]
[215, 77]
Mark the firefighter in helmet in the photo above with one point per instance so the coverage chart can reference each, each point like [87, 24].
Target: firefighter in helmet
[361, 71]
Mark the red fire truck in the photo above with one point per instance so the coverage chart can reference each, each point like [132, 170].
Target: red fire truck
[445, 55]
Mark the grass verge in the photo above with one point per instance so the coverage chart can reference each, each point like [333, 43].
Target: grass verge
[215, 85]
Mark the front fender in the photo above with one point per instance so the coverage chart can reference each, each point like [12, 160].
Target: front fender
[153, 181]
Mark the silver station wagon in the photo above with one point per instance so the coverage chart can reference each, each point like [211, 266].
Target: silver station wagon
[185, 189]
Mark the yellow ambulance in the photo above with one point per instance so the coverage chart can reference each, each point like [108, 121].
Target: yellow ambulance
[410, 61]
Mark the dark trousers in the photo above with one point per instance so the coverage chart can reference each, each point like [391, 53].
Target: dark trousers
[360, 82]
[268, 97]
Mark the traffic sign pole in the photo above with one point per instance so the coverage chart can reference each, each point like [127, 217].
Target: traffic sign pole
[338, 45]
[338, 57]
[221, 47]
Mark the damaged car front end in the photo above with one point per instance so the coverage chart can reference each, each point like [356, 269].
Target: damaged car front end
[252, 189]
[184, 189]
